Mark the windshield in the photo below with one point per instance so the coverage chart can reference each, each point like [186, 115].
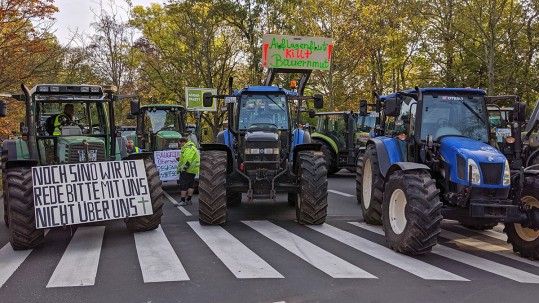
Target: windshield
[495, 118]
[161, 119]
[457, 115]
[263, 109]
[366, 123]
[89, 117]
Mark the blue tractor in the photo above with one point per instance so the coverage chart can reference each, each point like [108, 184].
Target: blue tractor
[434, 161]
[265, 152]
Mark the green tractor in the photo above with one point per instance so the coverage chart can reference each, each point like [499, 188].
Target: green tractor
[342, 136]
[159, 126]
[48, 173]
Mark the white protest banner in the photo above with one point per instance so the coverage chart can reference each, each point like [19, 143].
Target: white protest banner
[88, 192]
[167, 164]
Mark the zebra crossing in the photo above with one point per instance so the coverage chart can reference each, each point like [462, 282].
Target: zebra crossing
[160, 261]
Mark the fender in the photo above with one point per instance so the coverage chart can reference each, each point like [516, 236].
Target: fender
[303, 147]
[222, 147]
[405, 166]
[18, 155]
[328, 140]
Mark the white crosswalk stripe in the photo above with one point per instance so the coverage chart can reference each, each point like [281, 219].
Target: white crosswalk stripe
[471, 260]
[316, 256]
[411, 265]
[239, 259]
[158, 260]
[78, 266]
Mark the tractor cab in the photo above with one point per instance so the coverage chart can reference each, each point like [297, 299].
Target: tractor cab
[159, 126]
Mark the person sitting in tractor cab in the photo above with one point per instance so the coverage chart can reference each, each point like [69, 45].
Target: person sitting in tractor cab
[131, 148]
[62, 119]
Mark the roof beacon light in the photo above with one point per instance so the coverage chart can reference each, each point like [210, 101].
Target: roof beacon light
[293, 84]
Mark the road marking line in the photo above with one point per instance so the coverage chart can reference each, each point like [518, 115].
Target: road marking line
[339, 193]
[504, 250]
[411, 265]
[496, 232]
[316, 256]
[239, 259]
[78, 266]
[471, 260]
[181, 208]
[10, 260]
[158, 260]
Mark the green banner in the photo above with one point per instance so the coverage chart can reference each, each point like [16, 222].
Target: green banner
[193, 97]
[280, 51]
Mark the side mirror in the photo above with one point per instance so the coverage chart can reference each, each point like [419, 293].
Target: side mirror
[3, 108]
[135, 107]
[362, 107]
[312, 113]
[392, 107]
[207, 99]
[519, 112]
[318, 101]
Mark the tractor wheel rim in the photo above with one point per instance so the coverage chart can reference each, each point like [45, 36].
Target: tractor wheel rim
[367, 183]
[527, 234]
[397, 207]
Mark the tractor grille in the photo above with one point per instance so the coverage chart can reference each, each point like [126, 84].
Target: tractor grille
[262, 161]
[76, 152]
[170, 143]
[492, 173]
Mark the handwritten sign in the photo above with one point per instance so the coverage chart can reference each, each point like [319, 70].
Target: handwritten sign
[89, 192]
[280, 51]
[193, 95]
[167, 164]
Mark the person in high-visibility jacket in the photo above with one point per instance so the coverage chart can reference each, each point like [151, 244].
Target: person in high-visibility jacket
[63, 118]
[131, 148]
[188, 168]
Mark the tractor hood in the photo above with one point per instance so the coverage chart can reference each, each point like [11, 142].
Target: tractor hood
[169, 134]
[458, 151]
[262, 132]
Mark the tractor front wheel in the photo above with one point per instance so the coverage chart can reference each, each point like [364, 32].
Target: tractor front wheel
[312, 201]
[23, 233]
[149, 222]
[4, 188]
[212, 206]
[370, 186]
[525, 241]
[330, 158]
[411, 212]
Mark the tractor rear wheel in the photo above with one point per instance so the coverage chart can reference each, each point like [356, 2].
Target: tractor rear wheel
[212, 206]
[312, 201]
[411, 212]
[525, 241]
[370, 186]
[4, 188]
[23, 233]
[233, 199]
[150, 222]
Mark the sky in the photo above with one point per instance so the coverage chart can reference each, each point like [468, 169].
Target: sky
[77, 15]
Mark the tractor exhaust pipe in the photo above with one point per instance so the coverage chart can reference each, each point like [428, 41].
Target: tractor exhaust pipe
[32, 146]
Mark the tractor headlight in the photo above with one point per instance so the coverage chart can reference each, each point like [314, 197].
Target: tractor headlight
[474, 171]
[506, 174]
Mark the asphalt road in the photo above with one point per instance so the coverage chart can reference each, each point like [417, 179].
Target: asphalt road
[263, 255]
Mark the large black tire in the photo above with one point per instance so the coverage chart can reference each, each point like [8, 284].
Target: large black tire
[330, 158]
[370, 186]
[525, 241]
[478, 223]
[411, 212]
[233, 199]
[312, 202]
[212, 206]
[150, 222]
[4, 188]
[23, 233]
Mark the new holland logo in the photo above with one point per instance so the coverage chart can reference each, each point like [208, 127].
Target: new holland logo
[452, 98]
